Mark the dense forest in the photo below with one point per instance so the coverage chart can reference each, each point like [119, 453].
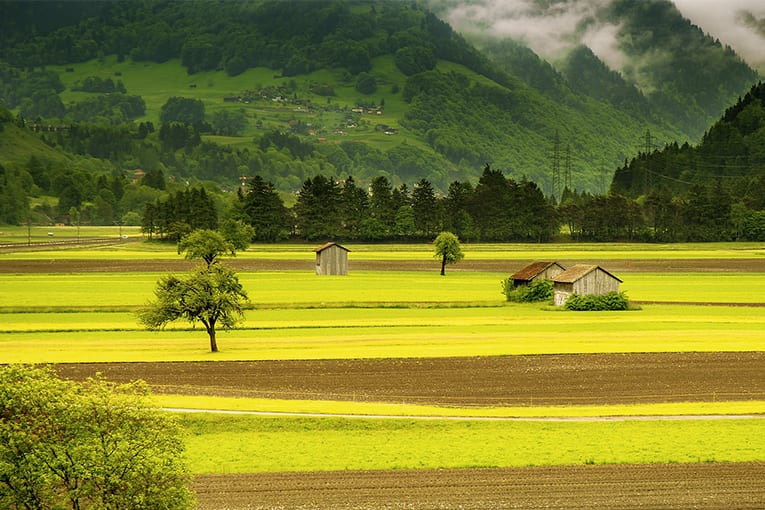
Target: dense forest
[382, 91]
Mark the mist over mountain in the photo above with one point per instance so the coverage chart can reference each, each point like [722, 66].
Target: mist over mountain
[689, 71]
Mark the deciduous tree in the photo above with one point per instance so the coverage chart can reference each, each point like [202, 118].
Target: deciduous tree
[95, 445]
[211, 295]
[207, 245]
[447, 248]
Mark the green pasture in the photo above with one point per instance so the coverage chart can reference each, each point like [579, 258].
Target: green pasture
[294, 289]
[298, 315]
[241, 444]
[321, 333]
[156, 82]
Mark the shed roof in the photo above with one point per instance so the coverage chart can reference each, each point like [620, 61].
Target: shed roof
[532, 270]
[328, 245]
[578, 272]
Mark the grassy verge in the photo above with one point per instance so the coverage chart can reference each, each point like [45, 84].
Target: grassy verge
[238, 444]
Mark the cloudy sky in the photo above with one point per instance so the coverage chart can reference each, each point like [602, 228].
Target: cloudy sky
[552, 31]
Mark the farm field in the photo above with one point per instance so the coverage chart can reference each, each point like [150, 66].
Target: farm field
[397, 388]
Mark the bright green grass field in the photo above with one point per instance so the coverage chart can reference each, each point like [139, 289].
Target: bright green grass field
[360, 288]
[236, 444]
[385, 332]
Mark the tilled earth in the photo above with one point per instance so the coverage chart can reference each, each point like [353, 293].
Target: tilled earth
[477, 381]
[568, 379]
[675, 486]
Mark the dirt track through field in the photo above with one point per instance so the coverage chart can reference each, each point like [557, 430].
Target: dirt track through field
[676, 486]
[580, 379]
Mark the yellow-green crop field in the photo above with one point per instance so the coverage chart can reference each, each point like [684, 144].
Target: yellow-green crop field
[90, 317]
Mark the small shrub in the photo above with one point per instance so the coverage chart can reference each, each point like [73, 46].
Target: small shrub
[593, 303]
[538, 290]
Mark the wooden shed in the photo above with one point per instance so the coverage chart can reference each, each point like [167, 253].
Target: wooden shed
[331, 259]
[583, 280]
[536, 271]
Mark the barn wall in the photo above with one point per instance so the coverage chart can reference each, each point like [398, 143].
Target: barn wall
[596, 282]
[332, 261]
[561, 293]
[549, 273]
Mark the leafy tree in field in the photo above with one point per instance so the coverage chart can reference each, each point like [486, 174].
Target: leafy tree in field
[447, 248]
[238, 233]
[211, 295]
[207, 245]
[86, 445]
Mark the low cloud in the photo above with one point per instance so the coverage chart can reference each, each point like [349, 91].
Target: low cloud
[737, 23]
[552, 27]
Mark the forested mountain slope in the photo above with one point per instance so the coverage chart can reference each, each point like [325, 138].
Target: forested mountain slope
[731, 156]
[290, 89]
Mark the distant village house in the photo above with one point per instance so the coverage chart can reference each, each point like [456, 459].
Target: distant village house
[331, 259]
[583, 280]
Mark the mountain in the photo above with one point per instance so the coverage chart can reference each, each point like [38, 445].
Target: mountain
[731, 155]
[291, 89]
[644, 48]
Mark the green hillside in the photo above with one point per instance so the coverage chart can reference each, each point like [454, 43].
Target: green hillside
[470, 111]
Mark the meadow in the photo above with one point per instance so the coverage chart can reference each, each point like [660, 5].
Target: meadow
[90, 317]
[240, 444]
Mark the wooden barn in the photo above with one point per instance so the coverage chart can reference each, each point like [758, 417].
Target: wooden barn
[583, 280]
[331, 259]
[536, 271]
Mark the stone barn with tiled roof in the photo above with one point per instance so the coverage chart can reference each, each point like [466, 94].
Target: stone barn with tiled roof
[536, 271]
[331, 259]
[583, 280]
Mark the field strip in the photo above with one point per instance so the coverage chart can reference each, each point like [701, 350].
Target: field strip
[676, 417]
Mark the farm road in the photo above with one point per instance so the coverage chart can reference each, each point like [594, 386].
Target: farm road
[573, 379]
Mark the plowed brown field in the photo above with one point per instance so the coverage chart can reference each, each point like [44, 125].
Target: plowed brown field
[473, 381]
[675, 486]
[516, 380]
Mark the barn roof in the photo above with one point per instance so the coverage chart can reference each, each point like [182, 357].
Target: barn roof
[578, 272]
[533, 269]
[328, 245]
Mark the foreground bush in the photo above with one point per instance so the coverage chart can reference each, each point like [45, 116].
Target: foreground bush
[95, 445]
[592, 303]
[538, 290]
